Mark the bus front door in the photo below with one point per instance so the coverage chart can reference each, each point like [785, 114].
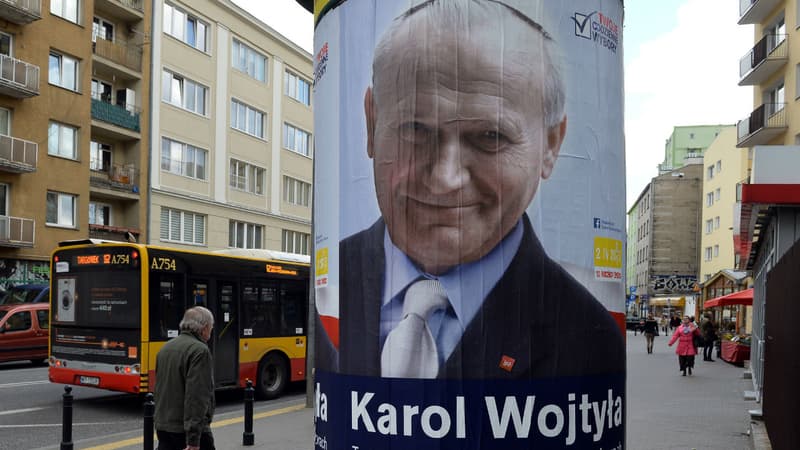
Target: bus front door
[226, 336]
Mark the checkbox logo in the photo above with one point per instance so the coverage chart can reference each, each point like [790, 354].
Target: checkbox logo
[583, 25]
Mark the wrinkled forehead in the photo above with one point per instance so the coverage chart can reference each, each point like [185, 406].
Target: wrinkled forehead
[475, 43]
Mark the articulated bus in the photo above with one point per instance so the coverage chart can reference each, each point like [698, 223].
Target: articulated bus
[115, 304]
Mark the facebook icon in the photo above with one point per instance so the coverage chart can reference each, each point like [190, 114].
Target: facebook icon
[597, 222]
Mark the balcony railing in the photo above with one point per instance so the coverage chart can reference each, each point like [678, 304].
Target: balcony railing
[21, 12]
[16, 231]
[121, 177]
[767, 56]
[113, 233]
[121, 53]
[17, 155]
[755, 11]
[132, 4]
[17, 78]
[125, 116]
[764, 124]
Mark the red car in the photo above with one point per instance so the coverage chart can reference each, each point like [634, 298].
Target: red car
[24, 330]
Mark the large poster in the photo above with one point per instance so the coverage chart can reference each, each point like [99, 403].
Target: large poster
[469, 220]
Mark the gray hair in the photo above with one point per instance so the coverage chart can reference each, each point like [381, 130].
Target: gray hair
[456, 12]
[196, 319]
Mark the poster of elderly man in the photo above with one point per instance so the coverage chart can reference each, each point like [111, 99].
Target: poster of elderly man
[469, 220]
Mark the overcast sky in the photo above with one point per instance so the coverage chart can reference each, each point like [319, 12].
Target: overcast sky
[681, 68]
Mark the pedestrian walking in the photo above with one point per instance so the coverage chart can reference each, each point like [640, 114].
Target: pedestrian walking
[686, 350]
[650, 330]
[185, 386]
[709, 330]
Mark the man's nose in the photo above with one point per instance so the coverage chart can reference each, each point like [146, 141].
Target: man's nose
[449, 169]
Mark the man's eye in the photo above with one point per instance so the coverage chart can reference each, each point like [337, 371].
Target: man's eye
[415, 132]
[490, 140]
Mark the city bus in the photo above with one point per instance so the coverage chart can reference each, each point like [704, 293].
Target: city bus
[113, 305]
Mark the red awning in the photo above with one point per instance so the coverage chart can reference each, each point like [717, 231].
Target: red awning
[744, 297]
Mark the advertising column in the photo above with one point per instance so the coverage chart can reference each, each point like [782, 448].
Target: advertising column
[470, 224]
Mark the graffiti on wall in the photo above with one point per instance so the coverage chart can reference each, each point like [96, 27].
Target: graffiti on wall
[673, 284]
[16, 271]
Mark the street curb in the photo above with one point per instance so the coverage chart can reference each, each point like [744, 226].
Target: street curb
[758, 436]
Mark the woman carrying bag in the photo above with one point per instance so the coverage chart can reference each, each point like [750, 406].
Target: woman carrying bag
[686, 350]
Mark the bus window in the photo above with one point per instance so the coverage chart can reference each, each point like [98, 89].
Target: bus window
[260, 309]
[166, 307]
[293, 295]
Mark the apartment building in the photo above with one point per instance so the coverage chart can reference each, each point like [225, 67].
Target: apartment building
[665, 242]
[725, 169]
[686, 145]
[232, 141]
[74, 89]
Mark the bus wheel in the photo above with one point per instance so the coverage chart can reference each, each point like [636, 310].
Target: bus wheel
[273, 376]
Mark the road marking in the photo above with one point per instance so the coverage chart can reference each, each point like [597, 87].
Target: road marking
[22, 383]
[220, 424]
[19, 411]
[34, 425]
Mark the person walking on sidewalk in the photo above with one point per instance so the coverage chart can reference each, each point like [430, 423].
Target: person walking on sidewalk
[650, 331]
[709, 330]
[686, 350]
[185, 386]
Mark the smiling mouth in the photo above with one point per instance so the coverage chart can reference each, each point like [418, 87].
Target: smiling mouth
[448, 204]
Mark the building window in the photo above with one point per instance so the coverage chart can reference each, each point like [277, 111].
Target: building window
[296, 140]
[708, 253]
[708, 276]
[710, 199]
[716, 251]
[247, 177]
[716, 223]
[717, 193]
[66, 9]
[62, 140]
[185, 27]
[249, 61]
[4, 196]
[100, 157]
[183, 159]
[710, 172]
[102, 29]
[295, 242]
[61, 209]
[99, 213]
[63, 71]
[297, 88]
[244, 235]
[776, 98]
[5, 44]
[183, 92]
[719, 166]
[5, 121]
[182, 226]
[247, 119]
[709, 226]
[296, 192]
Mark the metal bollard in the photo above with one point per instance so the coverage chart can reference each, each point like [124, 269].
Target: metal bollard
[248, 438]
[149, 412]
[66, 423]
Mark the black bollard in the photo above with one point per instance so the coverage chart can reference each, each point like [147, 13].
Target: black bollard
[66, 423]
[149, 412]
[248, 438]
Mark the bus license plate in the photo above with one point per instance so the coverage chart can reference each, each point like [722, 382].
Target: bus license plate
[91, 381]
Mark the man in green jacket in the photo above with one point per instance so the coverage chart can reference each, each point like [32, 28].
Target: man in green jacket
[185, 386]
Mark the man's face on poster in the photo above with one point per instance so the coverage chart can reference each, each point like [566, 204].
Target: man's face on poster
[456, 129]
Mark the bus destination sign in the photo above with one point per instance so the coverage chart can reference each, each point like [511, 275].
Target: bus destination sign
[103, 259]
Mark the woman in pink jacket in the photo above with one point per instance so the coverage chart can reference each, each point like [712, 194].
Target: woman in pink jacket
[686, 350]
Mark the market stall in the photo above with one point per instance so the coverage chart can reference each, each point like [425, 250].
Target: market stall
[734, 348]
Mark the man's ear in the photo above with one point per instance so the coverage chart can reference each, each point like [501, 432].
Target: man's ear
[369, 112]
[555, 136]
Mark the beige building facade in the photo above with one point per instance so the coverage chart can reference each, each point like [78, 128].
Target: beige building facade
[725, 169]
[74, 90]
[232, 142]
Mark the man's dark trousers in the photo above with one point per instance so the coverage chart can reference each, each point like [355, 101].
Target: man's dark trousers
[177, 441]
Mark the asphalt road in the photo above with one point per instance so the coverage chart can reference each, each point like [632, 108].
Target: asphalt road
[31, 409]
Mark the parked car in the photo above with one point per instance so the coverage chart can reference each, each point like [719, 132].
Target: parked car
[24, 330]
[26, 293]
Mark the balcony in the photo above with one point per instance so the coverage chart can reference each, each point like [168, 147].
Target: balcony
[769, 55]
[122, 53]
[120, 178]
[764, 124]
[18, 79]
[16, 232]
[124, 116]
[755, 11]
[17, 155]
[21, 12]
[128, 10]
[111, 233]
